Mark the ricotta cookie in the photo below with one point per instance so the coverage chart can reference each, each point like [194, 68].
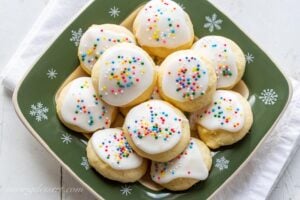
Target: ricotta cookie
[162, 27]
[80, 109]
[187, 80]
[226, 120]
[124, 75]
[188, 168]
[110, 154]
[97, 39]
[227, 57]
[157, 130]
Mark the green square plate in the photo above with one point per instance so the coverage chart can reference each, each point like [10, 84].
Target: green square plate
[35, 104]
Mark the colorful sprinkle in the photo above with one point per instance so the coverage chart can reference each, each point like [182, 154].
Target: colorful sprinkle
[188, 78]
[82, 108]
[123, 71]
[219, 51]
[161, 14]
[224, 111]
[104, 40]
[155, 125]
[121, 148]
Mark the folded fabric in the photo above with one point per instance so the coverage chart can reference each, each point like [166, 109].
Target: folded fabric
[258, 177]
[56, 15]
[254, 181]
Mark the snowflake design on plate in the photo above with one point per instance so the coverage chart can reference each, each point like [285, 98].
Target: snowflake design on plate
[249, 58]
[114, 12]
[76, 35]
[212, 22]
[222, 163]
[85, 163]
[126, 190]
[52, 74]
[268, 96]
[39, 111]
[66, 138]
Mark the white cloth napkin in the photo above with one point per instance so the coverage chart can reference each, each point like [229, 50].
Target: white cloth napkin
[55, 16]
[254, 181]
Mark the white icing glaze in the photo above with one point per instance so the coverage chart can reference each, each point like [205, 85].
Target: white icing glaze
[163, 23]
[81, 106]
[185, 76]
[125, 73]
[189, 164]
[154, 126]
[217, 49]
[112, 147]
[97, 39]
[225, 112]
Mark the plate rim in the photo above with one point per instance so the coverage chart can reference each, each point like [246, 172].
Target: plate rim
[66, 167]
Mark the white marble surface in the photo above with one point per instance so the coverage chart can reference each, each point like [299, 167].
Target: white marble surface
[27, 171]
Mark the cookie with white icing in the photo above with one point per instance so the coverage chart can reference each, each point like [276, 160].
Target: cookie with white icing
[225, 121]
[80, 109]
[187, 169]
[97, 39]
[154, 95]
[124, 75]
[187, 80]
[162, 27]
[157, 130]
[111, 155]
[227, 57]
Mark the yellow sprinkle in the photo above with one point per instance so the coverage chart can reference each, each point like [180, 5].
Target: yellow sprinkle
[89, 52]
[155, 35]
[229, 108]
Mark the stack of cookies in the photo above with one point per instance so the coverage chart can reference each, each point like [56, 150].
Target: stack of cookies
[147, 91]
